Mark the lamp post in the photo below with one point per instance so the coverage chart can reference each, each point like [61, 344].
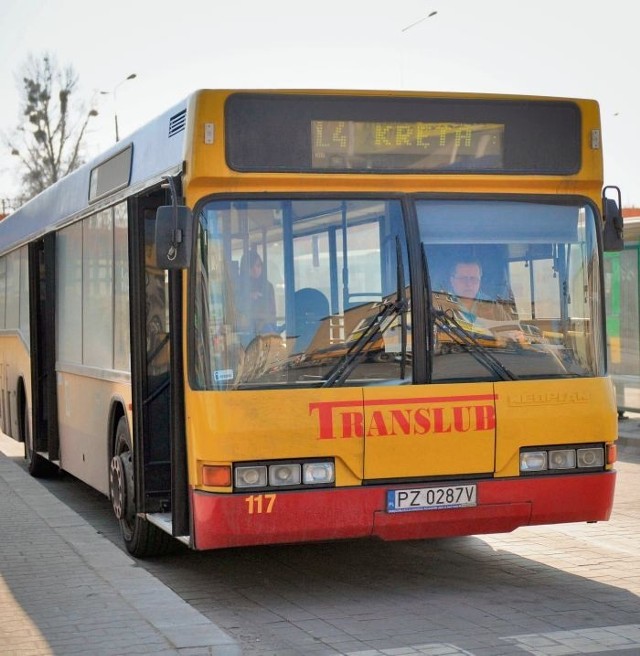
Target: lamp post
[115, 105]
[402, 49]
[408, 27]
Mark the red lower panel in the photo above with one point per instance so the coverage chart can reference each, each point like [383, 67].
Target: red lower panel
[231, 520]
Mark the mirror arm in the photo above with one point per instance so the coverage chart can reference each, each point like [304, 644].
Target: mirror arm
[176, 238]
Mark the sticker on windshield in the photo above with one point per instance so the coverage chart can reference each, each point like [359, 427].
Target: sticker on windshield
[222, 375]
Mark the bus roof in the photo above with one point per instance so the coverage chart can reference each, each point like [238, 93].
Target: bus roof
[159, 151]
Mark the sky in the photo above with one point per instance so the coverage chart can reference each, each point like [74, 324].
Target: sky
[566, 48]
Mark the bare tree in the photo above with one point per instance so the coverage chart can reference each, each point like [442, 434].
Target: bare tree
[49, 142]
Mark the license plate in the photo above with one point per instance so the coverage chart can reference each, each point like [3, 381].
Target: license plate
[432, 498]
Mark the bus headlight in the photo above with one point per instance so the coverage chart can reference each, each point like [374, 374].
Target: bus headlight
[318, 473]
[562, 459]
[555, 459]
[281, 474]
[592, 457]
[533, 461]
[285, 474]
[251, 476]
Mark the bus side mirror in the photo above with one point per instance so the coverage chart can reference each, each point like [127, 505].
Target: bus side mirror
[173, 236]
[613, 231]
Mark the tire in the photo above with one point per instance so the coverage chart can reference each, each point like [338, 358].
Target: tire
[141, 538]
[37, 466]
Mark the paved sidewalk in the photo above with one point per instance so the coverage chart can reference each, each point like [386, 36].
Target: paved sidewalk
[64, 589]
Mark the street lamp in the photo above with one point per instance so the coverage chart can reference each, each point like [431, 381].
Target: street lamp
[408, 27]
[115, 105]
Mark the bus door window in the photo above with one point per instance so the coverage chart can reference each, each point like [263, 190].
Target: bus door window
[157, 303]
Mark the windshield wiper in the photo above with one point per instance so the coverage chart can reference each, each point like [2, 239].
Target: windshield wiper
[401, 298]
[377, 327]
[448, 322]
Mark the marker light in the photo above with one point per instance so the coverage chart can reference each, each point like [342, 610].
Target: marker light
[216, 475]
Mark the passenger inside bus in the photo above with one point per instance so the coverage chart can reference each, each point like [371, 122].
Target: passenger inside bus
[256, 298]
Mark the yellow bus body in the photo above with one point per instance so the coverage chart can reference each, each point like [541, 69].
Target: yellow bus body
[386, 441]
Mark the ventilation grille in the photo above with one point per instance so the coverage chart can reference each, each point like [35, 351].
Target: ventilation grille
[177, 122]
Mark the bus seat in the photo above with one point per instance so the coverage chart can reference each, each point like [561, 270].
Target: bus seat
[311, 307]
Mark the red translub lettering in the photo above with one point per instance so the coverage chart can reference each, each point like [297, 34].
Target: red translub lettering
[422, 421]
[377, 425]
[485, 417]
[352, 424]
[461, 419]
[325, 420]
[402, 420]
[439, 421]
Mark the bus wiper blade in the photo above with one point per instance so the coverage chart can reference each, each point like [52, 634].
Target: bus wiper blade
[401, 298]
[448, 322]
[378, 325]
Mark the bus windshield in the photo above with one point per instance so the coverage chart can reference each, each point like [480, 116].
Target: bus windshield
[300, 292]
[317, 292]
[516, 282]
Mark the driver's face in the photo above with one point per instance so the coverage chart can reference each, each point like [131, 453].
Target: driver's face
[466, 279]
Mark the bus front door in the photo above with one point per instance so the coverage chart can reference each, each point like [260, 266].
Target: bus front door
[160, 487]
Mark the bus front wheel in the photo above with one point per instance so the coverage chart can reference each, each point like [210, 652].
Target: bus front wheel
[141, 538]
[37, 466]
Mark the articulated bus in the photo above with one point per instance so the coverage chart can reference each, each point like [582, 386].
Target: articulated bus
[334, 389]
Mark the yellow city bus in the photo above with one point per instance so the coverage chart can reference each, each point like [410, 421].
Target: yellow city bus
[331, 388]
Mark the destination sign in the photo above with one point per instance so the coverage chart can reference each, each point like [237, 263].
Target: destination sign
[401, 134]
[383, 145]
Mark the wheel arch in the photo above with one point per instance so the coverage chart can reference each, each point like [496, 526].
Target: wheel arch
[116, 412]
